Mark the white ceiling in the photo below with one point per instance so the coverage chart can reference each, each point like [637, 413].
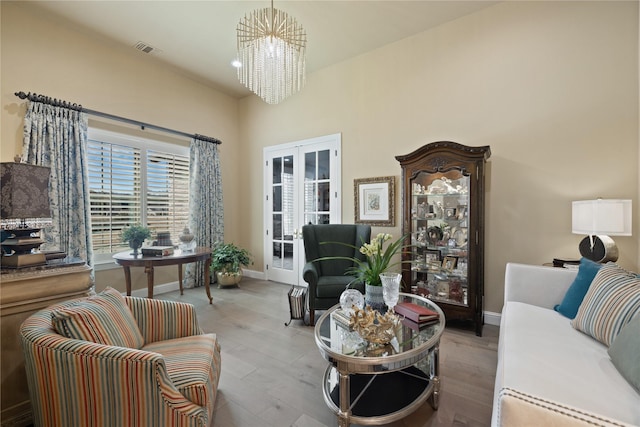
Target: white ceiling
[199, 37]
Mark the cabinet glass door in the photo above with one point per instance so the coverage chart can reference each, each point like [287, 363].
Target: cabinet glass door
[439, 235]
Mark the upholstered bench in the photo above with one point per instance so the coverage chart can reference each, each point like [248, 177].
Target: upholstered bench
[109, 360]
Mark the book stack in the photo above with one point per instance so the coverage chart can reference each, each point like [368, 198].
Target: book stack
[341, 317]
[418, 314]
[566, 263]
[157, 251]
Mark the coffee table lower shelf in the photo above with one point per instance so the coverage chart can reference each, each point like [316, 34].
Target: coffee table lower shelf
[380, 398]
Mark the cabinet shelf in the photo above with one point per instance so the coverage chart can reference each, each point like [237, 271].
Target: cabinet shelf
[443, 193]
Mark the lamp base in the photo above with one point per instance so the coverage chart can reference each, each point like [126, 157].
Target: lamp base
[23, 260]
[17, 248]
[603, 250]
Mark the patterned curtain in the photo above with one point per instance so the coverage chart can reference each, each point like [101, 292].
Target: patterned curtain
[56, 137]
[205, 203]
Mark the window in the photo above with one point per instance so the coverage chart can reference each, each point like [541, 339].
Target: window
[135, 181]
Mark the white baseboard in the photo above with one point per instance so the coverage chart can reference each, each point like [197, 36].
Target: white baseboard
[491, 318]
[157, 290]
[254, 274]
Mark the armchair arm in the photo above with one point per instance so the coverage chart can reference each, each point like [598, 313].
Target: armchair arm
[73, 382]
[537, 285]
[153, 317]
[310, 274]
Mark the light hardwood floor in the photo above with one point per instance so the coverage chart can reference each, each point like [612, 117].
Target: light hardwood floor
[271, 374]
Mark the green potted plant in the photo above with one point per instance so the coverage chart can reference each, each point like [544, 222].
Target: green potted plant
[135, 236]
[227, 260]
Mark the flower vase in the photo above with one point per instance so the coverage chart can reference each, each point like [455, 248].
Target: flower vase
[373, 297]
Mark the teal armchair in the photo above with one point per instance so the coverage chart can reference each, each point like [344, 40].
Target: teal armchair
[326, 278]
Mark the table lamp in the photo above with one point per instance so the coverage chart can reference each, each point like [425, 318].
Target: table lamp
[24, 209]
[599, 219]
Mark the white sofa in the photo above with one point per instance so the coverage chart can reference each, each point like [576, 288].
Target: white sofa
[550, 374]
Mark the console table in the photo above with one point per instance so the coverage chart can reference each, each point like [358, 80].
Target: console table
[22, 293]
[126, 260]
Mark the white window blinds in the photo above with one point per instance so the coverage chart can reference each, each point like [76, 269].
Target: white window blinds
[131, 183]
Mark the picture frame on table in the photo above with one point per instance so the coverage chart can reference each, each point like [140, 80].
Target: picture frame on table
[374, 201]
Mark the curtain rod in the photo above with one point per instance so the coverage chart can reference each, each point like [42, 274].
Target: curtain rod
[34, 97]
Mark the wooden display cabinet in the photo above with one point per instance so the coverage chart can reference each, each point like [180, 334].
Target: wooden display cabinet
[443, 218]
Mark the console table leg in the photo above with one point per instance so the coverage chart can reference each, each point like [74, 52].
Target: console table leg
[149, 270]
[180, 277]
[127, 278]
[207, 279]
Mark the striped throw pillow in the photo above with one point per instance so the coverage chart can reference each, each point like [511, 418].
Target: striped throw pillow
[104, 319]
[611, 301]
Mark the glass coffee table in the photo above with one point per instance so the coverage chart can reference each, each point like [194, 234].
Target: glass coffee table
[369, 385]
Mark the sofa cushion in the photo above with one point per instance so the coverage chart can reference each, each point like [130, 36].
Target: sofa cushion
[611, 301]
[540, 354]
[625, 352]
[193, 364]
[104, 318]
[578, 289]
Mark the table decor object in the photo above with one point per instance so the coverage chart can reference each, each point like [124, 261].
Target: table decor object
[187, 240]
[135, 236]
[351, 298]
[374, 327]
[390, 288]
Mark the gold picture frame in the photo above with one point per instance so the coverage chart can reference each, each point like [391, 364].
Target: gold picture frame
[449, 263]
[374, 201]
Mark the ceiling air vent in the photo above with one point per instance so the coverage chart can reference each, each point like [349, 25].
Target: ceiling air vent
[144, 47]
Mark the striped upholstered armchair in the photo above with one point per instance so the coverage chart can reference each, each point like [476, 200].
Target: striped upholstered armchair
[109, 360]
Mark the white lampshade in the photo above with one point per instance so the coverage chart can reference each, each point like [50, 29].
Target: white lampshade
[610, 217]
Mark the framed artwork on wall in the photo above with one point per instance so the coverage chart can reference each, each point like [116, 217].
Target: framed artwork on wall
[374, 201]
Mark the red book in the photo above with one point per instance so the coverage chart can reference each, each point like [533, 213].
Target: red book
[415, 312]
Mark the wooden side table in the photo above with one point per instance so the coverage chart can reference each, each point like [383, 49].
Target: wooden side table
[126, 260]
[22, 293]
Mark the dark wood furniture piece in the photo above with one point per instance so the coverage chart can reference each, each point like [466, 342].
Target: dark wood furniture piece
[22, 293]
[126, 260]
[443, 189]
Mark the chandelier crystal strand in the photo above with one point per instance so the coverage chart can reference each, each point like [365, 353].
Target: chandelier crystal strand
[271, 46]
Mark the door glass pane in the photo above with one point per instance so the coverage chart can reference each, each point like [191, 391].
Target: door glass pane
[323, 197]
[277, 198]
[310, 218]
[277, 255]
[283, 209]
[323, 165]
[277, 169]
[310, 166]
[277, 226]
[309, 196]
[323, 219]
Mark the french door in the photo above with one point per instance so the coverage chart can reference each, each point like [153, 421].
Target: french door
[302, 186]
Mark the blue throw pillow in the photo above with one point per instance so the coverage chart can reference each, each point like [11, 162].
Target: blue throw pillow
[578, 289]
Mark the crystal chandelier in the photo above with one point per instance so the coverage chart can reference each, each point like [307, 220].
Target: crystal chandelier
[271, 49]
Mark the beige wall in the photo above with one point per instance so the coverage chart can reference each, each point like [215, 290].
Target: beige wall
[552, 87]
[42, 56]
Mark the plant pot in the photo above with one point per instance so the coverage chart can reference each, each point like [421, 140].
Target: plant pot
[228, 279]
[373, 297]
